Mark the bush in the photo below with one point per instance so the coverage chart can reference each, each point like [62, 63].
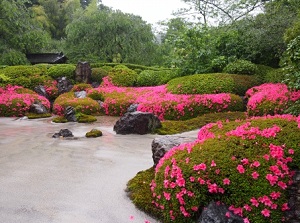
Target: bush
[30, 82]
[98, 74]
[13, 57]
[246, 165]
[155, 78]
[123, 76]
[275, 76]
[20, 71]
[86, 106]
[16, 101]
[241, 67]
[81, 87]
[270, 99]
[62, 70]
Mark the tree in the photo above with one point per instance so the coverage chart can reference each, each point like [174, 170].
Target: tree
[113, 36]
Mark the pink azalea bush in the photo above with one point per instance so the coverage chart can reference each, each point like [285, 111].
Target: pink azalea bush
[247, 165]
[162, 103]
[270, 99]
[16, 101]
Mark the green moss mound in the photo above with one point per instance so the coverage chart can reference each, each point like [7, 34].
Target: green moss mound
[62, 70]
[241, 67]
[21, 71]
[83, 118]
[174, 127]
[86, 105]
[212, 84]
[123, 76]
[59, 119]
[81, 87]
[36, 116]
[246, 165]
[94, 133]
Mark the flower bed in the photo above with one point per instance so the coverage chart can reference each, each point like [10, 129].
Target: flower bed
[164, 104]
[16, 101]
[246, 165]
[270, 99]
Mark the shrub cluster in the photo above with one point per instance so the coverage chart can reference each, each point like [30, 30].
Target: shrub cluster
[98, 74]
[123, 76]
[270, 99]
[246, 165]
[156, 77]
[241, 67]
[16, 101]
[275, 76]
[212, 84]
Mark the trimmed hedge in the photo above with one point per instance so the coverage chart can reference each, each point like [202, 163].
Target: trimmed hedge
[212, 84]
[246, 165]
[20, 71]
[123, 76]
[62, 70]
[155, 78]
[98, 74]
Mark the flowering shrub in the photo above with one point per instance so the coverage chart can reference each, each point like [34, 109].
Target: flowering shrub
[86, 105]
[164, 104]
[16, 101]
[81, 87]
[246, 165]
[51, 89]
[270, 99]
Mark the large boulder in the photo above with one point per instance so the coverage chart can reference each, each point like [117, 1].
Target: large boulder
[80, 94]
[293, 214]
[137, 123]
[40, 89]
[218, 213]
[38, 108]
[163, 144]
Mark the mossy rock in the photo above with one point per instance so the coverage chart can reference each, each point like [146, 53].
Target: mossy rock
[94, 133]
[60, 119]
[36, 116]
[240, 164]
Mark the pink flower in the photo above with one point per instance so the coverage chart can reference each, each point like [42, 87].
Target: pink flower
[291, 151]
[131, 217]
[272, 179]
[255, 175]
[265, 212]
[227, 214]
[245, 161]
[275, 195]
[254, 202]
[213, 163]
[282, 185]
[255, 164]
[241, 169]
[226, 181]
[213, 188]
[167, 196]
[201, 166]
[285, 207]
[246, 220]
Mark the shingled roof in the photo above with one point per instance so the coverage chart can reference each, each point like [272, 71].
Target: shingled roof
[50, 58]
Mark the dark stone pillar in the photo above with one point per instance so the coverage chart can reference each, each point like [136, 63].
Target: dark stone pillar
[83, 73]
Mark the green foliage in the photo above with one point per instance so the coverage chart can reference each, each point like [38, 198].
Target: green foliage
[123, 76]
[175, 127]
[94, 133]
[241, 67]
[62, 70]
[81, 87]
[218, 64]
[95, 95]
[98, 74]
[13, 57]
[275, 76]
[147, 78]
[83, 118]
[36, 116]
[21, 71]
[227, 152]
[59, 119]
[212, 84]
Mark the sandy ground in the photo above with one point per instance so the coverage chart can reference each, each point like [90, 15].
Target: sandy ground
[43, 179]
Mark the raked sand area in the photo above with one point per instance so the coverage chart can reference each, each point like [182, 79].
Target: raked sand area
[43, 179]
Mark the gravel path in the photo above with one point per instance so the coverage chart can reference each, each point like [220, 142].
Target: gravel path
[43, 179]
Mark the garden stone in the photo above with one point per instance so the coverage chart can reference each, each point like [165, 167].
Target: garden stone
[160, 146]
[293, 214]
[95, 85]
[137, 123]
[63, 133]
[40, 89]
[80, 94]
[83, 73]
[216, 213]
[38, 108]
[64, 85]
[70, 114]
[132, 108]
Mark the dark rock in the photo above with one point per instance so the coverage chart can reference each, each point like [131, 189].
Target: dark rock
[94, 133]
[63, 133]
[70, 114]
[293, 214]
[40, 89]
[137, 123]
[64, 85]
[132, 108]
[80, 94]
[163, 144]
[216, 213]
[38, 108]
[83, 73]
[95, 84]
